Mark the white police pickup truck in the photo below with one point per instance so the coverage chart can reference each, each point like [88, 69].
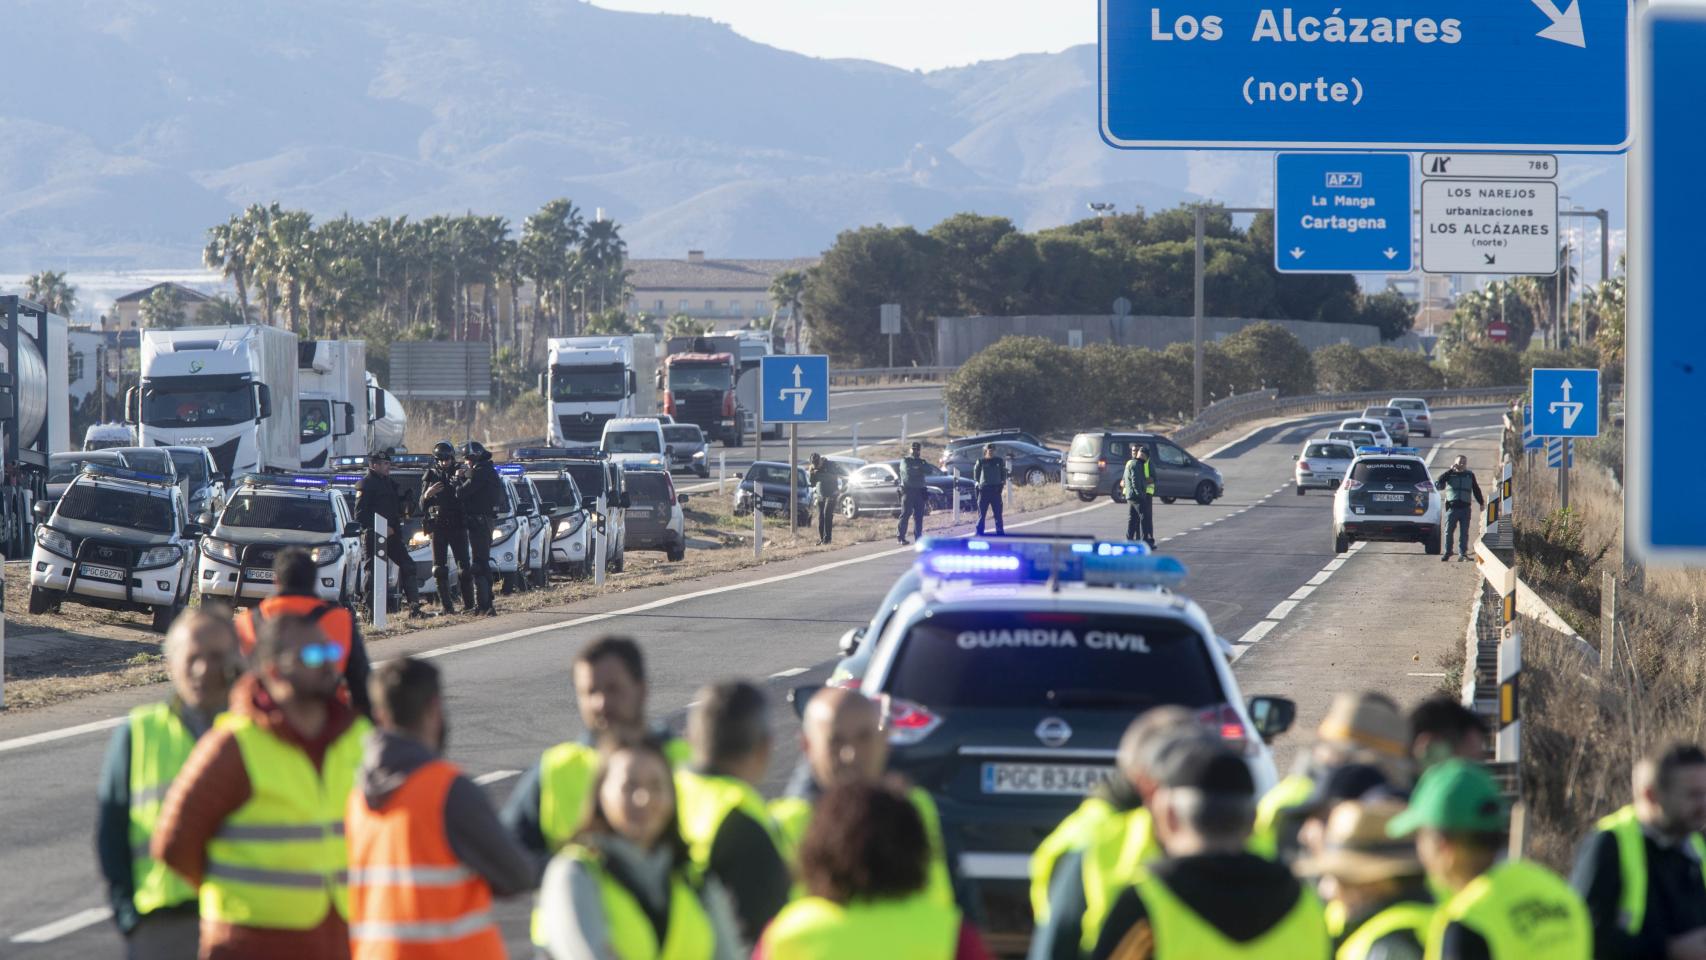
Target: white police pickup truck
[264, 515]
[119, 539]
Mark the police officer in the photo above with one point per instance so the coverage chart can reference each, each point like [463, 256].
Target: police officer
[990, 474]
[444, 522]
[1456, 486]
[914, 501]
[1138, 485]
[825, 478]
[1493, 908]
[481, 492]
[376, 494]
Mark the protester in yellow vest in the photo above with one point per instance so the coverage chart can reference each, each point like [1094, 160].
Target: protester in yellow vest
[864, 862]
[1210, 898]
[729, 832]
[1499, 910]
[1374, 884]
[153, 907]
[1081, 868]
[255, 818]
[1642, 871]
[842, 741]
[623, 888]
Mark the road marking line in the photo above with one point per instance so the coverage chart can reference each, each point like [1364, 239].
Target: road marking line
[1258, 631]
[790, 672]
[53, 931]
[21, 742]
[1302, 592]
[1216, 453]
[495, 776]
[1334, 564]
[1282, 609]
[1320, 578]
[1437, 676]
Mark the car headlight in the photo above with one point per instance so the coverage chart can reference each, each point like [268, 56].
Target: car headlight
[54, 541]
[570, 526]
[220, 549]
[419, 539]
[698, 454]
[161, 556]
[327, 553]
[502, 531]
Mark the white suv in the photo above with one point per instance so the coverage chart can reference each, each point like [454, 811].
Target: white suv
[118, 539]
[1386, 495]
[264, 515]
[635, 441]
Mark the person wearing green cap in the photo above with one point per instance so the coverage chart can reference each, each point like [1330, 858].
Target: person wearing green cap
[1492, 909]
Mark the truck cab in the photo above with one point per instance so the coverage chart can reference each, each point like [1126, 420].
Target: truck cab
[216, 387]
[699, 388]
[591, 380]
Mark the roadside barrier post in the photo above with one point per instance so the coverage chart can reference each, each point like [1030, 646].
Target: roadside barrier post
[855, 438]
[722, 473]
[1508, 746]
[381, 571]
[794, 481]
[944, 422]
[954, 495]
[601, 539]
[1607, 621]
[903, 434]
[2, 633]
[757, 518]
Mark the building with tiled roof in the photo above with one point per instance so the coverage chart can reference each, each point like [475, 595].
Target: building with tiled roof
[729, 294]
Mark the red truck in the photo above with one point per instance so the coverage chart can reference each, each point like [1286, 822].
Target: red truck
[699, 388]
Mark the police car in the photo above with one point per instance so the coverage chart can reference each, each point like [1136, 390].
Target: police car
[1008, 673]
[119, 539]
[569, 535]
[532, 504]
[1386, 495]
[344, 484]
[515, 557]
[600, 480]
[264, 515]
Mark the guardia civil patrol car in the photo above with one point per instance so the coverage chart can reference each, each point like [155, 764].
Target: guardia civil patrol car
[267, 513]
[1009, 669]
[1387, 495]
[117, 538]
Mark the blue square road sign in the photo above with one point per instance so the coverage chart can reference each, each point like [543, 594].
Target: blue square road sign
[1566, 402]
[1342, 213]
[795, 389]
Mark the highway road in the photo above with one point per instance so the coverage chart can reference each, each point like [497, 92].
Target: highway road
[1261, 564]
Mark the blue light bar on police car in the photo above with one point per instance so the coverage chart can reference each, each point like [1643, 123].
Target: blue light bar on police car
[124, 473]
[346, 478]
[1378, 451]
[511, 469]
[1094, 563]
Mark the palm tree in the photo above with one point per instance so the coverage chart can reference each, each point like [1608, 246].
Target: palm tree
[49, 289]
[228, 250]
[289, 258]
[546, 240]
[682, 325]
[605, 252]
[786, 291]
[257, 241]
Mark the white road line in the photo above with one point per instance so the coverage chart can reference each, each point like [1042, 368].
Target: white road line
[1258, 631]
[20, 743]
[790, 672]
[1335, 564]
[495, 776]
[1282, 609]
[1320, 578]
[1218, 452]
[1301, 593]
[53, 931]
[1437, 676]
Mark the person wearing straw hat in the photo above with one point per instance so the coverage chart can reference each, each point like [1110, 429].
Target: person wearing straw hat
[1376, 883]
[1492, 908]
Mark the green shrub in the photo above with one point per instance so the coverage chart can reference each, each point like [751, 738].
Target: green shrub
[1222, 375]
[1025, 382]
[1403, 369]
[1126, 386]
[1342, 368]
[1271, 356]
[1470, 366]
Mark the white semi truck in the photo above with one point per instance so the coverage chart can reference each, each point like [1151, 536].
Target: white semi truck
[592, 379]
[229, 389]
[387, 423]
[332, 404]
[35, 414]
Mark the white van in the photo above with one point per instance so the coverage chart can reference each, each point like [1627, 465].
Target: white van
[636, 441]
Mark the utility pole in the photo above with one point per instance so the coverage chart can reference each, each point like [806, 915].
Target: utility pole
[1197, 309]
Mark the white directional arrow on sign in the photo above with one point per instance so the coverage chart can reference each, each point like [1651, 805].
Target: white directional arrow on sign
[1297, 253]
[1570, 409]
[1566, 27]
[1390, 253]
[801, 395]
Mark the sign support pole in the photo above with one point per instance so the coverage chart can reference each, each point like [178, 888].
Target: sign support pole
[1197, 321]
[794, 480]
[2, 633]
[1564, 474]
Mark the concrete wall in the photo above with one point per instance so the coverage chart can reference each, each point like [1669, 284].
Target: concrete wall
[958, 338]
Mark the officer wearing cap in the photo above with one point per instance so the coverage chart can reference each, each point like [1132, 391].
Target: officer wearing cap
[1492, 909]
[444, 522]
[1376, 884]
[914, 493]
[376, 494]
[1209, 898]
[1137, 484]
[481, 492]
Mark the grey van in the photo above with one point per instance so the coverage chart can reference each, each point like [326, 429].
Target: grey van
[1097, 459]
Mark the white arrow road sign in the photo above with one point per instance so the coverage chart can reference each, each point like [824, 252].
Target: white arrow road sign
[1297, 253]
[1570, 409]
[1390, 253]
[801, 395]
[1566, 27]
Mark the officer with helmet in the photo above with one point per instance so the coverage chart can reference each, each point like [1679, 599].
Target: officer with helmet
[481, 493]
[446, 524]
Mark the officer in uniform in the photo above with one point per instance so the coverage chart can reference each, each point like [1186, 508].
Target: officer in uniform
[990, 474]
[1492, 908]
[377, 495]
[1456, 486]
[1138, 485]
[825, 478]
[444, 522]
[481, 493]
[914, 502]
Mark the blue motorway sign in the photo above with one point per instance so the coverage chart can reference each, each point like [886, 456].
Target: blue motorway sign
[1342, 213]
[1566, 401]
[1550, 75]
[795, 389]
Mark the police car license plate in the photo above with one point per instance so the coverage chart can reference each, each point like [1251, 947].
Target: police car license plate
[100, 573]
[262, 575]
[1390, 497]
[1051, 779]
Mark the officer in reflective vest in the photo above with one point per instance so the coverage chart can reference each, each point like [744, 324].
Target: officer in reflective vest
[842, 741]
[294, 576]
[153, 907]
[1491, 908]
[1138, 488]
[426, 852]
[1375, 884]
[730, 835]
[1456, 486]
[1209, 898]
[256, 816]
[864, 862]
[1081, 868]
[550, 801]
[1643, 869]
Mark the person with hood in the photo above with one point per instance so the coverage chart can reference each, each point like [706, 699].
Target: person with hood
[445, 524]
[426, 851]
[480, 491]
[252, 818]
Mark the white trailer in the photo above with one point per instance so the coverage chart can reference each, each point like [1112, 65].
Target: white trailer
[333, 402]
[229, 389]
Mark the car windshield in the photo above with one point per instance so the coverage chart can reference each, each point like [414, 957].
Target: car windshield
[280, 512]
[648, 487]
[62, 467]
[197, 402]
[632, 441]
[191, 464]
[698, 376]
[1362, 437]
[1390, 471]
[559, 490]
[589, 477]
[771, 475]
[1328, 451]
[148, 460]
[524, 496]
[687, 434]
[316, 419]
[1409, 404]
[1086, 445]
[115, 506]
[576, 384]
[1053, 660]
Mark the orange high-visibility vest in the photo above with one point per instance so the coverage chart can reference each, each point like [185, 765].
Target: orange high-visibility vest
[333, 620]
[409, 897]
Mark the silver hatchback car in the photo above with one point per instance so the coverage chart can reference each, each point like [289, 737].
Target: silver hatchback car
[1322, 464]
[1396, 423]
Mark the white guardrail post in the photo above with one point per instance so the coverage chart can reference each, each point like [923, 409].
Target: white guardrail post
[1508, 746]
[903, 434]
[601, 540]
[954, 495]
[757, 519]
[2, 633]
[722, 474]
[855, 438]
[381, 572]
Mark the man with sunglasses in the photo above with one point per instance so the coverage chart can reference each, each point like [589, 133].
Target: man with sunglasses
[255, 819]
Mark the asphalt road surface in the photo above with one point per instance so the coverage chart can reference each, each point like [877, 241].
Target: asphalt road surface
[1262, 555]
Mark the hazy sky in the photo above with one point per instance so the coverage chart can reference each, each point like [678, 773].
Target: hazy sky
[923, 34]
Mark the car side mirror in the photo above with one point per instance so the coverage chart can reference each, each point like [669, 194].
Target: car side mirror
[669, 449]
[1272, 716]
[352, 529]
[849, 642]
[41, 510]
[131, 406]
[547, 508]
[1294, 456]
[375, 404]
[681, 498]
[800, 697]
[205, 520]
[193, 530]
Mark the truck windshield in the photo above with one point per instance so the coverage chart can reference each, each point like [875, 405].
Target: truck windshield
[632, 441]
[197, 402]
[316, 419]
[698, 376]
[112, 506]
[577, 384]
[191, 464]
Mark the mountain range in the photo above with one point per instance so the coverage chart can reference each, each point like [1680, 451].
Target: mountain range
[130, 126]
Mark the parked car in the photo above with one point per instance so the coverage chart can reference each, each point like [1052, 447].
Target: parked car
[992, 436]
[687, 448]
[875, 488]
[1097, 459]
[1028, 465]
[655, 518]
[201, 475]
[774, 478]
[63, 468]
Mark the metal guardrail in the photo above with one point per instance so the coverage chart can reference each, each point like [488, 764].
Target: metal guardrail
[1237, 409]
[867, 375]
